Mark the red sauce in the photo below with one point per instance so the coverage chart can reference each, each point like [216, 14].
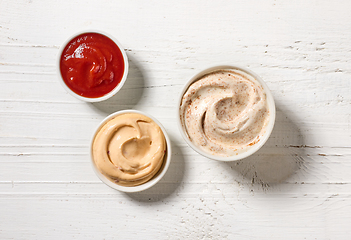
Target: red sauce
[92, 65]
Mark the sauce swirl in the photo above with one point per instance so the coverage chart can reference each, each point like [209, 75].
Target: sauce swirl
[92, 65]
[129, 149]
[224, 112]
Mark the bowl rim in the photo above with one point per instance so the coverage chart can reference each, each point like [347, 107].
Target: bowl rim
[270, 102]
[153, 180]
[119, 85]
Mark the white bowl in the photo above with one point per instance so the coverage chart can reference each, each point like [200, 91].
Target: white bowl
[152, 181]
[106, 96]
[250, 150]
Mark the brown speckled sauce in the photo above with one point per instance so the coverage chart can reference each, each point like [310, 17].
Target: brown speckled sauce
[225, 112]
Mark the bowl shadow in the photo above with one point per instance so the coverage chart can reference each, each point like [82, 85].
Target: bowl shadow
[129, 95]
[279, 159]
[168, 184]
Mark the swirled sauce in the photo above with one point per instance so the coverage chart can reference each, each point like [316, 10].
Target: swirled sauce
[91, 65]
[129, 149]
[225, 112]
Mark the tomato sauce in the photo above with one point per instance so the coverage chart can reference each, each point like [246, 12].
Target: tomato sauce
[92, 65]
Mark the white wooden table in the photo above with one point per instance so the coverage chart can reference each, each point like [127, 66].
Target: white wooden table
[298, 186]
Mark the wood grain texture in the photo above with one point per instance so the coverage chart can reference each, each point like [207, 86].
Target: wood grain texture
[298, 186]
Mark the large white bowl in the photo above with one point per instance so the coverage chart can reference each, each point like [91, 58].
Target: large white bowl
[106, 96]
[250, 150]
[152, 181]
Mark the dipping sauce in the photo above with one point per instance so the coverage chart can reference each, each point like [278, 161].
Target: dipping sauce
[224, 112]
[92, 65]
[129, 149]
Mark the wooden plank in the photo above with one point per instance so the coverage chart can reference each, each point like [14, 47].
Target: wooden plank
[297, 186]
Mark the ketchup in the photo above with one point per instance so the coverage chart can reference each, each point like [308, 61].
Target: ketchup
[92, 65]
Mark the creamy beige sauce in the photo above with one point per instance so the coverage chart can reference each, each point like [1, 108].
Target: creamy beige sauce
[224, 112]
[129, 149]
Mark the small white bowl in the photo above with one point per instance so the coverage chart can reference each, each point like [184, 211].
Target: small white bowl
[106, 96]
[252, 149]
[152, 181]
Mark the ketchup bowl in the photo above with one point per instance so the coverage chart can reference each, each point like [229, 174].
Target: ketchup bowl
[92, 66]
